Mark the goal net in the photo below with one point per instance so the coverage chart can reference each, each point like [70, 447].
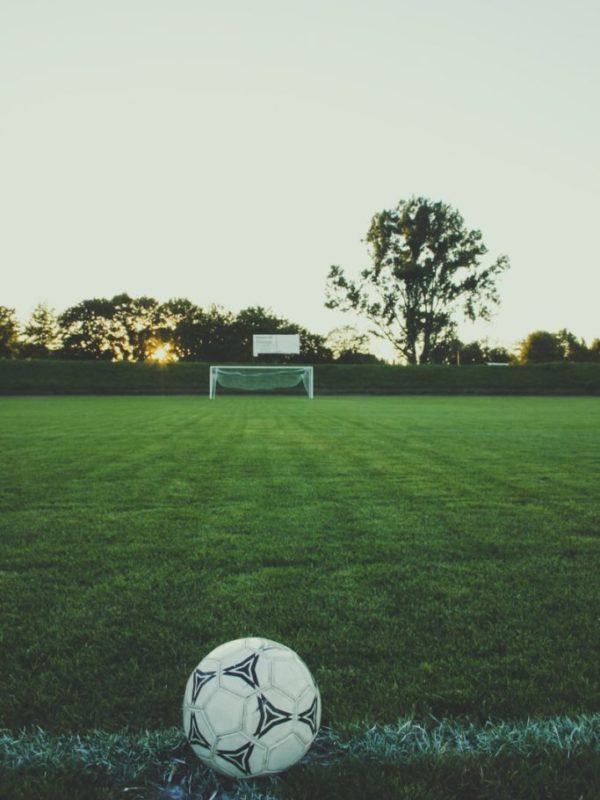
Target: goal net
[253, 379]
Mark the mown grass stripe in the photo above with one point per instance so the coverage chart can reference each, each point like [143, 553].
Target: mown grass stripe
[456, 539]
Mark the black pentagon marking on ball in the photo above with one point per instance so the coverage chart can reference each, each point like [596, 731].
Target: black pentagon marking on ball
[194, 734]
[246, 670]
[240, 758]
[269, 716]
[200, 680]
[309, 717]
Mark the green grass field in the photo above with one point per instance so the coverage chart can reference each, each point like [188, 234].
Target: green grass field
[432, 559]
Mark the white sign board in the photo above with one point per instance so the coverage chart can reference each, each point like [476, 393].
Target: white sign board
[275, 343]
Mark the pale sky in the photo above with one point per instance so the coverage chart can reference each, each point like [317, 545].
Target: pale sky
[231, 151]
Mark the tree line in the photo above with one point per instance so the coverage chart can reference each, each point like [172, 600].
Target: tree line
[427, 269]
[126, 328]
[538, 347]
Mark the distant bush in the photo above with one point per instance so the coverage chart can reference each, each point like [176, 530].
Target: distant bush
[498, 355]
[542, 347]
[352, 357]
[472, 353]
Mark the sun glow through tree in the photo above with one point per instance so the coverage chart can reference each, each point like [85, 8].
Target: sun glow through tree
[163, 354]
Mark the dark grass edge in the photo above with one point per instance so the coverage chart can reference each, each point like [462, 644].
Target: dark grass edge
[532, 758]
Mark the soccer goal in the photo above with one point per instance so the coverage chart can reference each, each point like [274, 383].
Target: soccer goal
[253, 379]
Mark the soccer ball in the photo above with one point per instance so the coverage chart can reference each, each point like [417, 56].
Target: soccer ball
[250, 708]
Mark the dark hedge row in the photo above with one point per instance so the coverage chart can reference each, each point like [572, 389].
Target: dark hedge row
[99, 377]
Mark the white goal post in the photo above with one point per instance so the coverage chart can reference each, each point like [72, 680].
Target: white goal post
[261, 378]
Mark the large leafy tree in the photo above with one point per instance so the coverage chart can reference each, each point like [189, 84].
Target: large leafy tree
[41, 335]
[134, 323]
[123, 328]
[313, 348]
[9, 333]
[541, 347]
[574, 349]
[178, 320]
[426, 268]
[87, 331]
[214, 333]
[197, 334]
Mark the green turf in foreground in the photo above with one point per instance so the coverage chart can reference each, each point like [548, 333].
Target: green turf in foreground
[406, 760]
[423, 555]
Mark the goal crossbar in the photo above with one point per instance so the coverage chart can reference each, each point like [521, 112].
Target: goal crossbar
[253, 378]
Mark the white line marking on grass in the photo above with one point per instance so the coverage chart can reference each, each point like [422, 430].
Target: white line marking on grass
[159, 764]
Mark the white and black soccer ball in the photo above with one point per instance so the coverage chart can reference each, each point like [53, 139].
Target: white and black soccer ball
[250, 708]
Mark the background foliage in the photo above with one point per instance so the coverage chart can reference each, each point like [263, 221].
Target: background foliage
[144, 330]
